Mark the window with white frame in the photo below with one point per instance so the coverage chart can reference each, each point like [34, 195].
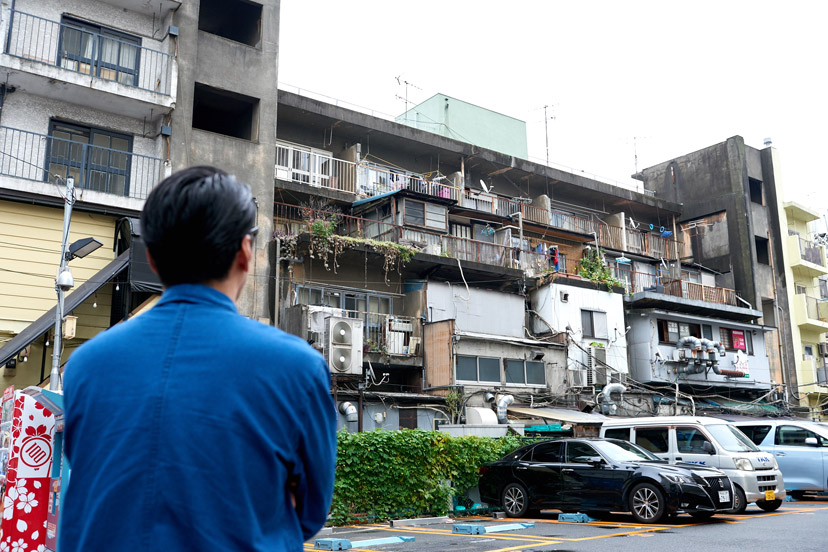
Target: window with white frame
[478, 369]
[594, 323]
[524, 372]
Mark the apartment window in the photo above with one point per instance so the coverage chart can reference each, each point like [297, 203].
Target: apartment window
[98, 159]
[479, 369]
[99, 51]
[800, 289]
[524, 372]
[225, 112]
[707, 331]
[419, 213]
[236, 20]
[755, 190]
[736, 340]
[762, 253]
[823, 289]
[768, 312]
[594, 323]
[670, 331]
[808, 352]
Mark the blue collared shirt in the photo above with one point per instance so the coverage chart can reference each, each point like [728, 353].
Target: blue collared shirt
[186, 426]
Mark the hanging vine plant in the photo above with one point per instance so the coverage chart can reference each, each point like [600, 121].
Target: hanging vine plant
[592, 267]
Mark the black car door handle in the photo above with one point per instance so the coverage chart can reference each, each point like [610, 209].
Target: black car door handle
[568, 470]
[678, 457]
[522, 467]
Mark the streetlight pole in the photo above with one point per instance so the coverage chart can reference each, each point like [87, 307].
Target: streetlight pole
[63, 282]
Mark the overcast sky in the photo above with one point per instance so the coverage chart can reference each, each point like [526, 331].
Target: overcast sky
[658, 78]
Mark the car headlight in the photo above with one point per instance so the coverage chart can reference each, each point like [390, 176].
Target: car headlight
[775, 463]
[678, 478]
[743, 464]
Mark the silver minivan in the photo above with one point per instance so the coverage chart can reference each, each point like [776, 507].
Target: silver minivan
[800, 449]
[708, 442]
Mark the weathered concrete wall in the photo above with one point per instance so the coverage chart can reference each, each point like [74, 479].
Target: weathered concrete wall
[477, 310]
[252, 71]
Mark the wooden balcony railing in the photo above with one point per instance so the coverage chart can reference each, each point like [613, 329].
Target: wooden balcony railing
[636, 282]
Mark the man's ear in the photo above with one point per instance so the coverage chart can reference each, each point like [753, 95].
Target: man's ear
[151, 262]
[245, 254]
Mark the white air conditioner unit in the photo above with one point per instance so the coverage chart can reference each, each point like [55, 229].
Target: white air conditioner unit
[822, 348]
[596, 366]
[343, 345]
[577, 378]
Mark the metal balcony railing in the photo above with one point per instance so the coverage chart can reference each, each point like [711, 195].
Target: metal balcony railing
[75, 48]
[295, 164]
[701, 292]
[504, 206]
[810, 251]
[292, 220]
[816, 309]
[314, 169]
[636, 282]
[34, 156]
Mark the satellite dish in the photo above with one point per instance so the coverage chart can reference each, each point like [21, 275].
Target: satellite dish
[634, 225]
[486, 188]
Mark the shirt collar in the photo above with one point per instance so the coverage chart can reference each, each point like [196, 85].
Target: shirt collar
[197, 293]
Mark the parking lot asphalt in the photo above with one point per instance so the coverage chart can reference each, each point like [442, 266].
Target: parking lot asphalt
[548, 533]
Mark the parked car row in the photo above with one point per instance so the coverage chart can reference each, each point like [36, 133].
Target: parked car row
[661, 466]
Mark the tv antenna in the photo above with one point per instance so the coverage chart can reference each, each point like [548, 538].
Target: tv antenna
[546, 119]
[407, 84]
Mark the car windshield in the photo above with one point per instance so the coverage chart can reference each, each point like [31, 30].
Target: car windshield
[619, 453]
[731, 439]
[642, 454]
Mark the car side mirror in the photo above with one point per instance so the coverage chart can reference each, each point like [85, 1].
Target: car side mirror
[595, 461]
[708, 447]
[811, 441]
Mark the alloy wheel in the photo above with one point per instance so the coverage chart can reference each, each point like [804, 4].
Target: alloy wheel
[646, 503]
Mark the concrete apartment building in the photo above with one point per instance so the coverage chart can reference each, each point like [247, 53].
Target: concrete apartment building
[806, 269]
[490, 302]
[731, 230]
[118, 94]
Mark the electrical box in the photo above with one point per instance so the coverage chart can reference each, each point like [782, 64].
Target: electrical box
[343, 345]
[679, 355]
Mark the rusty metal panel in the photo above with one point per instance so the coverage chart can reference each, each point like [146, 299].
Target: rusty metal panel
[438, 370]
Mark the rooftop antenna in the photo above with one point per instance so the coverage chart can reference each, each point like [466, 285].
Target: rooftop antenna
[546, 119]
[407, 84]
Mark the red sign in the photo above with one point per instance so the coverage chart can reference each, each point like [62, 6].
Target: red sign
[739, 340]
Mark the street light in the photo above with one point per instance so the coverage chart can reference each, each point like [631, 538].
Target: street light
[64, 281]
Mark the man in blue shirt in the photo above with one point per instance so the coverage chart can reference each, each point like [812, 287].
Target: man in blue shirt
[191, 427]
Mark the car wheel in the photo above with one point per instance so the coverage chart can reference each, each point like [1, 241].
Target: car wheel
[647, 503]
[769, 505]
[515, 501]
[701, 515]
[739, 501]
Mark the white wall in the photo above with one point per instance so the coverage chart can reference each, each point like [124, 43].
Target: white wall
[547, 302]
[476, 310]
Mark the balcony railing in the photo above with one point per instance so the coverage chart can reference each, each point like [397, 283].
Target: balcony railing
[306, 167]
[811, 252]
[636, 282]
[34, 156]
[504, 206]
[817, 309]
[316, 169]
[81, 51]
[291, 219]
[701, 292]
[641, 243]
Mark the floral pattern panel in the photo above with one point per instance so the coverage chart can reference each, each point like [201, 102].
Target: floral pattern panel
[25, 503]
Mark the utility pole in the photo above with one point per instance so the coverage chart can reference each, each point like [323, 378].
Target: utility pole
[63, 282]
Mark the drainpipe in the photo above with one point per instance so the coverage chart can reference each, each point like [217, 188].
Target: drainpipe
[502, 403]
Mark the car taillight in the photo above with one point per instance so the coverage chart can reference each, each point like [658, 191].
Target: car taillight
[482, 469]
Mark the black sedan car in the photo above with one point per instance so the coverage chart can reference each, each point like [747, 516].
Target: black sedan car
[602, 475]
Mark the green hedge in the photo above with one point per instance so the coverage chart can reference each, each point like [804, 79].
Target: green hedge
[384, 475]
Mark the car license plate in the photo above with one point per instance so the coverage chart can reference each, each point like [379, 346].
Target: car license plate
[770, 495]
[724, 496]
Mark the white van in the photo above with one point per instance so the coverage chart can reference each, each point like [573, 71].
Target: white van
[708, 442]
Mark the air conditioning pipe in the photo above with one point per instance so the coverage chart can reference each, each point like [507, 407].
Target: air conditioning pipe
[349, 411]
[502, 402]
[694, 344]
[711, 347]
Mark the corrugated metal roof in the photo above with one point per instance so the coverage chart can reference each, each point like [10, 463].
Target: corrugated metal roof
[561, 414]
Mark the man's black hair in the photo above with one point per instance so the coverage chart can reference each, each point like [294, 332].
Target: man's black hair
[193, 224]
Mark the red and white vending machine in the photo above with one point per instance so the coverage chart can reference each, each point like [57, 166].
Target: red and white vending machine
[28, 428]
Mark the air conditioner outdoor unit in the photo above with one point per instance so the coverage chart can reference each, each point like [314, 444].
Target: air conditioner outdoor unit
[343, 345]
[822, 348]
[596, 366]
[577, 378]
